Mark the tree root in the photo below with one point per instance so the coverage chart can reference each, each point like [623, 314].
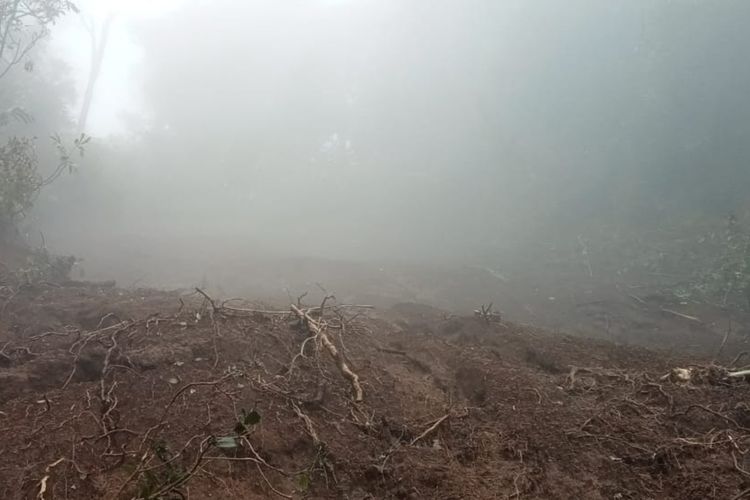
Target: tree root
[319, 332]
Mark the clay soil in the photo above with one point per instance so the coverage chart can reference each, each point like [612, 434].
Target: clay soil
[106, 393]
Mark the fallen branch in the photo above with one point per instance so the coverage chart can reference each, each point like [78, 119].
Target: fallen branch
[43, 481]
[319, 332]
[683, 316]
[308, 424]
[430, 429]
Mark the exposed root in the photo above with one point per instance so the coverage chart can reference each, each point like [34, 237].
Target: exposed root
[320, 334]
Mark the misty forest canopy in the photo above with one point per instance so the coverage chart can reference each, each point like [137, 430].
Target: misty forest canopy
[432, 129]
[589, 106]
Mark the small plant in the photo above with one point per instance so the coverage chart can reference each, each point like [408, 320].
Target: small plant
[20, 180]
[153, 481]
[246, 421]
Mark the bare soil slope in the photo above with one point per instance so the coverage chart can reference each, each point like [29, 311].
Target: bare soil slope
[142, 394]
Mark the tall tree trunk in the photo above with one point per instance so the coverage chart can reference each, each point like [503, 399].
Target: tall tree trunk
[98, 46]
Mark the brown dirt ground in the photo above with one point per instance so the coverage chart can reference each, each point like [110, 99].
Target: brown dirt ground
[106, 393]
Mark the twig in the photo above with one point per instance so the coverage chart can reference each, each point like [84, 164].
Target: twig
[724, 341]
[716, 413]
[683, 316]
[430, 429]
[308, 424]
[174, 398]
[279, 493]
[738, 358]
[208, 443]
[43, 481]
[637, 299]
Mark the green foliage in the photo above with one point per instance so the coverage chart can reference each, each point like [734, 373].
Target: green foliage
[65, 155]
[303, 482]
[246, 421]
[19, 179]
[153, 481]
[23, 25]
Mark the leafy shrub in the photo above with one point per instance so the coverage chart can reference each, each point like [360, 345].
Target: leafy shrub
[19, 179]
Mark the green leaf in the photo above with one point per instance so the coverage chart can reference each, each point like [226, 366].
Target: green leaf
[227, 442]
[252, 418]
[303, 482]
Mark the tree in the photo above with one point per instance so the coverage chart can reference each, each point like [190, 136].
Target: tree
[98, 46]
[22, 25]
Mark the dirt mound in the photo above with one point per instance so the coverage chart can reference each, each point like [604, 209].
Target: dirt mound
[113, 394]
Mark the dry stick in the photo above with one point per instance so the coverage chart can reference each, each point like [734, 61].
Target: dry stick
[174, 398]
[315, 328]
[683, 316]
[737, 466]
[430, 429]
[185, 477]
[143, 465]
[716, 413]
[224, 307]
[123, 325]
[217, 333]
[308, 424]
[208, 298]
[283, 495]
[637, 299]
[300, 354]
[43, 481]
[724, 341]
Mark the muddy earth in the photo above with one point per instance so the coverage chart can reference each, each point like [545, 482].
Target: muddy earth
[122, 394]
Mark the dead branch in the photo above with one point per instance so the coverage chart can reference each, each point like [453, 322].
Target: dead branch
[319, 332]
[715, 413]
[637, 299]
[47, 472]
[487, 314]
[308, 424]
[430, 429]
[174, 398]
[683, 316]
[214, 308]
[724, 341]
[205, 445]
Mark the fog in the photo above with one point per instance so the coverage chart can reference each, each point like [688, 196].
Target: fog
[232, 138]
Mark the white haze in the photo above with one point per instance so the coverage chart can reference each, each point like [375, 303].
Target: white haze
[471, 133]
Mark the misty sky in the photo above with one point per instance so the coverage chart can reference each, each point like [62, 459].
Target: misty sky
[404, 128]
